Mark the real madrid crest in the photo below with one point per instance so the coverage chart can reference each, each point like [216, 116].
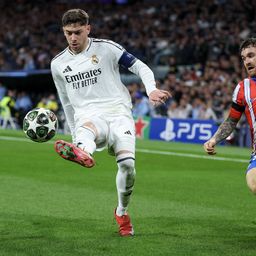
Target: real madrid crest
[95, 60]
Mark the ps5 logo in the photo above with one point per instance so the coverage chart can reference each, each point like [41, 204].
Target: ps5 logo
[186, 130]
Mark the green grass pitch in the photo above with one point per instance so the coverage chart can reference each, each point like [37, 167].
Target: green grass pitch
[184, 202]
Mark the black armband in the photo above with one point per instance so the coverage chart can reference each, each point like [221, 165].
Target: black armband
[237, 107]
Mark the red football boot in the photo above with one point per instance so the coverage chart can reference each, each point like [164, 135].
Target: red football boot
[125, 225]
[73, 153]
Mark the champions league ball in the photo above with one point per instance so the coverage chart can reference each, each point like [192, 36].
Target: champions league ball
[40, 124]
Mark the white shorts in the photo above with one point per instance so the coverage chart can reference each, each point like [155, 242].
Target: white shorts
[116, 132]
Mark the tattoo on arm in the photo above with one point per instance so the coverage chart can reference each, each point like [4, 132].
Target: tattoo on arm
[225, 129]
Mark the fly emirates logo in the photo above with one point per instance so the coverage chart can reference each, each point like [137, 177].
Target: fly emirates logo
[83, 79]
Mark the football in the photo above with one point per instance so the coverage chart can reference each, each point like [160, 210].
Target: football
[40, 124]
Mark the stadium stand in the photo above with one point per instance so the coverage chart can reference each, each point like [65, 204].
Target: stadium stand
[191, 45]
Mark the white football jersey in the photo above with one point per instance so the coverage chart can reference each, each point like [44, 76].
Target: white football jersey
[89, 82]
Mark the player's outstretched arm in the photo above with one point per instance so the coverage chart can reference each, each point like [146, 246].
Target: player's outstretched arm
[157, 97]
[222, 133]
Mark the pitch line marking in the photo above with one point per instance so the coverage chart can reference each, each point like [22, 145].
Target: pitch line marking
[147, 151]
[192, 155]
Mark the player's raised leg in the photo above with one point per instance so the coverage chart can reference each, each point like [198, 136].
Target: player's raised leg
[82, 151]
[73, 153]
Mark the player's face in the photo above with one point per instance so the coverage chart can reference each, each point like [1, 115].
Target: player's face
[77, 36]
[249, 59]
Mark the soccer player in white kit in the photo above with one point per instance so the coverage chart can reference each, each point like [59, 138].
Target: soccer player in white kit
[98, 106]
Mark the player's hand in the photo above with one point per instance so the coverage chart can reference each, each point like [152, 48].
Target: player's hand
[209, 146]
[158, 97]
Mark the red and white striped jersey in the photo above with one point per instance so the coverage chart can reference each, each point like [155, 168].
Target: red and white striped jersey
[244, 101]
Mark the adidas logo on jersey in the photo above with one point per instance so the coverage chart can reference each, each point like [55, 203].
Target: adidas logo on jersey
[128, 132]
[67, 69]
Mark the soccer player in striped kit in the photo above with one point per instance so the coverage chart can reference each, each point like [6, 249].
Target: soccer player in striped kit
[98, 106]
[243, 101]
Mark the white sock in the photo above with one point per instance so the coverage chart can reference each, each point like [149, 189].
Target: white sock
[120, 211]
[124, 182]
[86, 139]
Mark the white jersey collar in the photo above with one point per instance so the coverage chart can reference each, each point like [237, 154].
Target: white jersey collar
[85, 50]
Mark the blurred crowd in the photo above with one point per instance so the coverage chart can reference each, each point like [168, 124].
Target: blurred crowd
[197, 40]
[192, 98]
[192, 31]
[15, 104]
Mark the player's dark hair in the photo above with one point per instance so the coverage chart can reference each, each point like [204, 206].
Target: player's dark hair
[247, 43]
[75, 16]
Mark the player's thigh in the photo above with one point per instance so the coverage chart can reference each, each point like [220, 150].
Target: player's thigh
[251, 179]
[122, 135]
[99, 126]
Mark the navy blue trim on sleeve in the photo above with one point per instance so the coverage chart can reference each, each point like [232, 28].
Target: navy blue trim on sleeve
[127, 60]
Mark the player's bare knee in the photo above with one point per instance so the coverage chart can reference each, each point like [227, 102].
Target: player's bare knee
[253, 188]
[251, 180]
[252, 185]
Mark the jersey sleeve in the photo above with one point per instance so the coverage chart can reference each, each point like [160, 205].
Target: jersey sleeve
[146, 75]
[116, 49]
[67, 107]
[237, 107]
[136, 66]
